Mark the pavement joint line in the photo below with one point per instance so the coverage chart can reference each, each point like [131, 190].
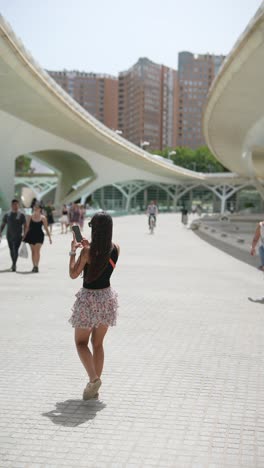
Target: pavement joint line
[183, 378]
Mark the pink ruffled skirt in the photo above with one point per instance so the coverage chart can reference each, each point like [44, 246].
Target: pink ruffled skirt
[94, 307]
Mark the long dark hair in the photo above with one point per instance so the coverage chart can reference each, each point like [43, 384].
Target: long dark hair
[101, 245]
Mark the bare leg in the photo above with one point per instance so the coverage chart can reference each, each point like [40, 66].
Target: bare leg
[37, 254]
[33, 253]
[98, 335]
[81, 340]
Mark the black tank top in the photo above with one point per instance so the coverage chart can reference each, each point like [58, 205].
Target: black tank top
[104, 279]
[36, 227]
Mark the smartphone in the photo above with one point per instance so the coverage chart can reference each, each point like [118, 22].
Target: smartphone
[77, 233]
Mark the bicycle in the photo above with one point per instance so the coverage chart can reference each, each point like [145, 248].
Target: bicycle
[152, 224]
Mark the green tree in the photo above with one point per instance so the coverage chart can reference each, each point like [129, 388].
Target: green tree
[23, 164]
[199, 160]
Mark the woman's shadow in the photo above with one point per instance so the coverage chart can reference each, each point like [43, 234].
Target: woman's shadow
[72, 413]
[259, 300]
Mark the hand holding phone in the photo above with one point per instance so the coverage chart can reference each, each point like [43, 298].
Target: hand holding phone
[77, 233]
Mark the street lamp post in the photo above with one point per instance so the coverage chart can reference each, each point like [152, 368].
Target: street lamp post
[171, 153]
[144, 143]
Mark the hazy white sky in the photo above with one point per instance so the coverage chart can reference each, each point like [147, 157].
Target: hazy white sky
[108, 36]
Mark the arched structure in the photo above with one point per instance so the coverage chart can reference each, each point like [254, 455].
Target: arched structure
[38, 118]
[234, 116]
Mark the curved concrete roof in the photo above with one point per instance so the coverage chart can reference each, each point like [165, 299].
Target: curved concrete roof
[39, 101]
[39, 118]
[234, 115]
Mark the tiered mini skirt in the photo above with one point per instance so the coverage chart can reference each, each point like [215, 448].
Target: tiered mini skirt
[94, 307]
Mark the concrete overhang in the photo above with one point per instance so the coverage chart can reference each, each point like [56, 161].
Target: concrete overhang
[233, 119]
[29, 94]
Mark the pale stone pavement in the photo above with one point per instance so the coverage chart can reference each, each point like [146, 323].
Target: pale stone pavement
[183, 384]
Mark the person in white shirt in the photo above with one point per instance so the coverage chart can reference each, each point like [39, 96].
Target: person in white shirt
[152, 211]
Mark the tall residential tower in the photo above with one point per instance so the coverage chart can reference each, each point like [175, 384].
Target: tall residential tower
[147, 104]
[196, 73]
[98, 94]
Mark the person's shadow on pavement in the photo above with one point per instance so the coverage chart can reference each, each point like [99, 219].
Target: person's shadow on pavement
[25, 272]
[72, 413]
[259, 300]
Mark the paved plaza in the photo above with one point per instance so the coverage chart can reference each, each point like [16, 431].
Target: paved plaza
[183, 384]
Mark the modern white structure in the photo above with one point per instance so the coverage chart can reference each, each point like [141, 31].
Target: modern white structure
[234, 116]
[39, 119]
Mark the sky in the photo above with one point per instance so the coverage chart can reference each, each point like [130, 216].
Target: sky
[108, 36]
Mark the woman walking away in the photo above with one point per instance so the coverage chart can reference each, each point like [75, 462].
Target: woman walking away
[64, 220]
[34, 235]
[95, 308]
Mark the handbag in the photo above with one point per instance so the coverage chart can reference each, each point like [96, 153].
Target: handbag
[23, 251]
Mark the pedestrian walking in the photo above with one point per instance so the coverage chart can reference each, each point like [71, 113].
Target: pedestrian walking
[259, 237]
[64, 220]
[95, 307]
[49, 209]
[184, 215]
[34, 235]
[74, 214]
[82, 216]
[34, 202]
[15, 221]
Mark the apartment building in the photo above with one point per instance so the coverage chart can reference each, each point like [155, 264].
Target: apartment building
[98, 94]
[195, 74]
[147, 104]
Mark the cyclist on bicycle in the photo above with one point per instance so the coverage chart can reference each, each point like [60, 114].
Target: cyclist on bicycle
[152, 211]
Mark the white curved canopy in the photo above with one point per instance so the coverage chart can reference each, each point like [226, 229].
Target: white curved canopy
[234, 116]
[38, 118]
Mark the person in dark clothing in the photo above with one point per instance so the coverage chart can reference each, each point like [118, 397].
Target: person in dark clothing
[34, 235]
[34, 201]
[49, 209]
[184, 215]
[38, 202]
[15, 221]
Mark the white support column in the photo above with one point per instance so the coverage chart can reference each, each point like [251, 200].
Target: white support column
[7, 181]
[191, 198]
[130, 190]
[259, 187]
[223, 199]
[58, 192]
[128, 198]
[223, 192]
[102, 198]
[180, 191]
[175, 198]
